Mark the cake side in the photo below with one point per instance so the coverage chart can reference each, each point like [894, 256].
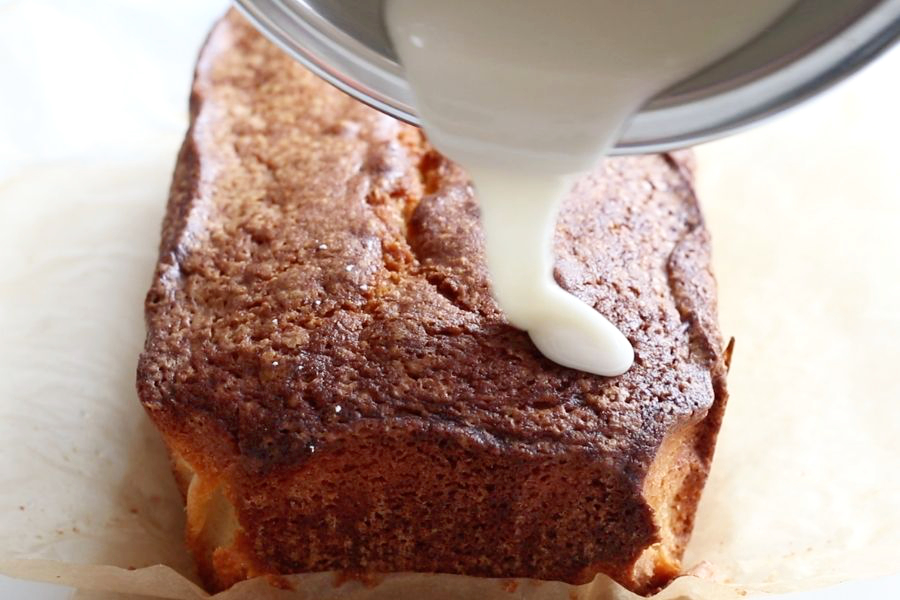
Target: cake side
[338, 389]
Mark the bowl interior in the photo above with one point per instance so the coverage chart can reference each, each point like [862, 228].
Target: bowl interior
[812, 45]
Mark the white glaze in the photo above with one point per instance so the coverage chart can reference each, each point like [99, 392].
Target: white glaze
[526, 94]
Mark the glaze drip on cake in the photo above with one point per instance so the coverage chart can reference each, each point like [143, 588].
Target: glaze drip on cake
[525, 95]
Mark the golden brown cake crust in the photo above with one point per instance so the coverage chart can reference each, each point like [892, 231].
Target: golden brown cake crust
[323, 349]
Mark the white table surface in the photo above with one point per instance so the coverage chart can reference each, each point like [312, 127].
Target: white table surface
[886, 588]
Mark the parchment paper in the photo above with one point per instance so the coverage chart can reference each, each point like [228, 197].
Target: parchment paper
[805, 213]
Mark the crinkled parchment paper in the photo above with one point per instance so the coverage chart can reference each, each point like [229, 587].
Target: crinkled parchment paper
[805, 214]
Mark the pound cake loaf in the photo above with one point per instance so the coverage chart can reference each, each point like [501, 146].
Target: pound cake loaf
[337, 388]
